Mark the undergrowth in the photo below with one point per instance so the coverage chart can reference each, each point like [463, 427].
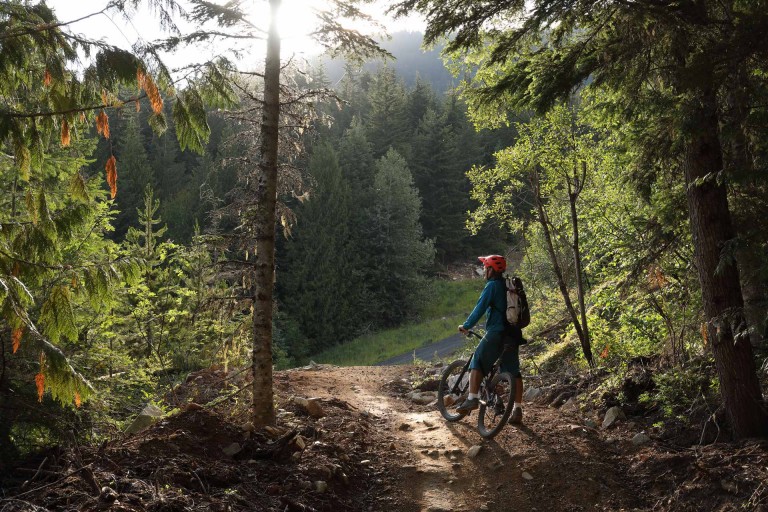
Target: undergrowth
[449, 305]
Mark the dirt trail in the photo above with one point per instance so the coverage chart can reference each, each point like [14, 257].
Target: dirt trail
[549, 463]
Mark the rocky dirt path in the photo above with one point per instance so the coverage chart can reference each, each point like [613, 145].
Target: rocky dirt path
[549, 463]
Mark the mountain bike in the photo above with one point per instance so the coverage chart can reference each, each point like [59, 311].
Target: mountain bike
[497, 392]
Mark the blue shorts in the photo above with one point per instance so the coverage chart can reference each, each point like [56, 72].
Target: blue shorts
[488, 352]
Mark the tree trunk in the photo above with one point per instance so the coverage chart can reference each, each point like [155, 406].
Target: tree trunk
[586, 344]
[711, 228]
[738, 161]
[266, 200]
[755, 290]
[7, 449]
[558, 271]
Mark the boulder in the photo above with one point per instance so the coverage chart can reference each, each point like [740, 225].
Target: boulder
[571, 405]
[474, 451]
[612, 416]
[531, 394]
[423, 398]
[430, 384]
[640, 439]
[312, 406]
[232, 449]
[149, 415]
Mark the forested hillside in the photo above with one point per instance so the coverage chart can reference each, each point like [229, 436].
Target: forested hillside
[114, 287]
[410, 60]
[233, 215]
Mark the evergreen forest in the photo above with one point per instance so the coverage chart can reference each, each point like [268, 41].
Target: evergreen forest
[159, 221]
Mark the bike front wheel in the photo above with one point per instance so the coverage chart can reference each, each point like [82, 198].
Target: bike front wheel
[452, 390]
[497, 399]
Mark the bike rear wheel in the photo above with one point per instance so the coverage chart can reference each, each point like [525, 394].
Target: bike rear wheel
[448, 398]
[496, 401]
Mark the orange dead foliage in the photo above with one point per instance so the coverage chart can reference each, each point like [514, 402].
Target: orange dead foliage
[47, 78]
[16, 339]
[40, 383]
[140, 78]
[153, 93]
[102, 124]
[65, 136]
[111, 169]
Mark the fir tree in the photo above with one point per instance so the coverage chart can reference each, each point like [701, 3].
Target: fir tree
[315, 287]
[388, 116]
[399, 253]
[137, 175]
[442, 184]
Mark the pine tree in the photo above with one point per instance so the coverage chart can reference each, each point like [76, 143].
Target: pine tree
[314, 287]
[398, 250]
[257, 203]
[354, 88]
[388, 116]
[358, 169]
[147, 302]
[421, 98]
[137, 175]
[442, 184]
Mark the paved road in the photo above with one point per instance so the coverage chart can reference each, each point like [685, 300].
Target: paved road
[438, 350]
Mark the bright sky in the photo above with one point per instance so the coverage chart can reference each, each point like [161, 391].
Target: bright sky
[296, 21]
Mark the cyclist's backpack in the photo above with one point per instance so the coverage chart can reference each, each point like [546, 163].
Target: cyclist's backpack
[518, 313]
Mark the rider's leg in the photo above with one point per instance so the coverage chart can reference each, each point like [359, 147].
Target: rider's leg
[510, 362]
[485, 355]
[475, 378]
[517, 410]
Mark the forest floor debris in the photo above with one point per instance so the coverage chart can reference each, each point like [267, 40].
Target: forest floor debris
[357, 456]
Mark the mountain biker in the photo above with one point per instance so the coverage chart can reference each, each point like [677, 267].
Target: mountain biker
[493, 303]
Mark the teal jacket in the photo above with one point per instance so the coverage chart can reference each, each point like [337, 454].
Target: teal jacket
[493, 302]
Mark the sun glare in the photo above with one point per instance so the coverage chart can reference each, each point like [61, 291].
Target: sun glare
[296, 21]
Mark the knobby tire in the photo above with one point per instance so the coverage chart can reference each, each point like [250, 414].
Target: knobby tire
[443, 391]
[490, 418]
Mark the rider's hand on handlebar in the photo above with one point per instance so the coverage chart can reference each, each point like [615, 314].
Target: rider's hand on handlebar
[463, 331]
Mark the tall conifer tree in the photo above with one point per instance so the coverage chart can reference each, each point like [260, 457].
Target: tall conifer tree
[388, 118]
[316, 288]
[398, 250]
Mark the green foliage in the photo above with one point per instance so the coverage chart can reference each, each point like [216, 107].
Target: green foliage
[449, 304]
[683, 392]
[398, 252]
[387, 116]
[321, 298]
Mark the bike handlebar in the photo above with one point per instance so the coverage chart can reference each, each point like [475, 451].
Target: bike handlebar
[473, 333]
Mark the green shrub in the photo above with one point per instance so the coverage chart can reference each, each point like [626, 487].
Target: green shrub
[682, 393]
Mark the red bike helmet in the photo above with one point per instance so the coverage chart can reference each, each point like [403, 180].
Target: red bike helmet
[496, 262]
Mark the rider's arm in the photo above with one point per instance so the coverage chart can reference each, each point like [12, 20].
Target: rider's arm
[483, 303]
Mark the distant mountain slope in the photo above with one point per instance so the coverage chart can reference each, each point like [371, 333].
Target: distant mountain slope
[411, 61]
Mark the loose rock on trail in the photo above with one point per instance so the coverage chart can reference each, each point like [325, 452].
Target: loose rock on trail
[357, 439]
